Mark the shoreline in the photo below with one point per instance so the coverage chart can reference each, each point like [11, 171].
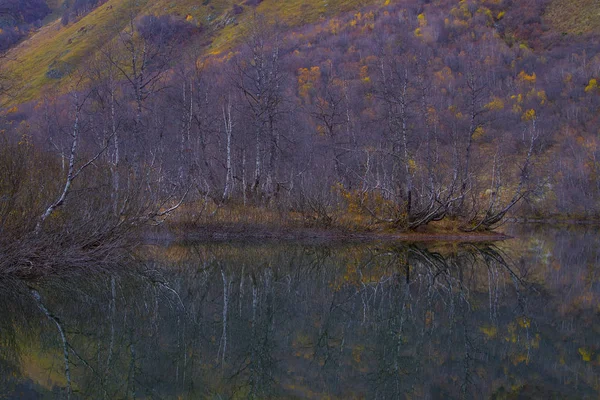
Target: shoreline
[312, 235]
[556, 221]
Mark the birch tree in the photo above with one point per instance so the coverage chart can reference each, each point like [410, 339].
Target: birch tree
[75, 166]
[260, 79]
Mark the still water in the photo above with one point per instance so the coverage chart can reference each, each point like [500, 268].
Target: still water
[515, 319]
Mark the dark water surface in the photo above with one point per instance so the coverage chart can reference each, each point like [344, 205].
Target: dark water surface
[519, 319]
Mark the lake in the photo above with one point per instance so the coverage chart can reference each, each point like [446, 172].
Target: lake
[513, 319]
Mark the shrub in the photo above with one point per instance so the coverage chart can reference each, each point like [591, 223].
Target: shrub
[164, 29]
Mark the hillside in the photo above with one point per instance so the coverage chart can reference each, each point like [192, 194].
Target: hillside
[54, 49]
[574, 16]
[393, 115]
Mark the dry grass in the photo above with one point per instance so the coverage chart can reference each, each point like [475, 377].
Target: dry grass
[574, 16]
[207, 219]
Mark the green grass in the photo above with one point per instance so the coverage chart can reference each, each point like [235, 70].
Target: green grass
[68, 47]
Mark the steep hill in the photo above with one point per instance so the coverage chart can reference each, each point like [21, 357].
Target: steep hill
[54, 49]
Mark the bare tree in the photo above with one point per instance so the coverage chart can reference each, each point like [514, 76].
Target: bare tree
[260, 80]
[74, 170]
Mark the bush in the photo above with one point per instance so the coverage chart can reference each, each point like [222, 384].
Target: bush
[18, 18]
[164, 29]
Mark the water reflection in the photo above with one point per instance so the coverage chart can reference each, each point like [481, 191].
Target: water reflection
[294, 321]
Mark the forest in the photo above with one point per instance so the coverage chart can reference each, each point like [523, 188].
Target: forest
[399, 117]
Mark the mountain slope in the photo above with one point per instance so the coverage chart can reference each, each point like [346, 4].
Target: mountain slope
[43, 59]
[50, 53]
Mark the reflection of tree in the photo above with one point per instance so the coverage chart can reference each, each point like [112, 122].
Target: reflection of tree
[65, 344]
[439, 290]
[15, 326]
[237, 320]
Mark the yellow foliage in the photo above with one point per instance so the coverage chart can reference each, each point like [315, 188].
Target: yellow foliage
[523, 46]
[517, 109]
[307, 79]
[412, 165]
[334, 26]
[460, 24]
[528, 115]
[524, 77]
[524, 322]
[444, 74]
[418, 32]
[364, 74]
[541, 95]
[464, 9]
[586, 354]
[518, 98]
[592, 85]
[500, 15]
[495, 104]
[422, 20]
[189, 18]
[387, 3]
[486, 11]
[519, 358]
[479, 132]
[321, 131]
[489, 331]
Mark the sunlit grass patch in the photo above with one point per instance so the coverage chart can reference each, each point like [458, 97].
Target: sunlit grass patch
[574, 16]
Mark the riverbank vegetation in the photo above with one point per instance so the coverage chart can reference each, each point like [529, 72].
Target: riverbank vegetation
[398, 117]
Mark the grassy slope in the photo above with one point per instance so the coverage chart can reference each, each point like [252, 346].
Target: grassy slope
[55, 46]
[574, 16]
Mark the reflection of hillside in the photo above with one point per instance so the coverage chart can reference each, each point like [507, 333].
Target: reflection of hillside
[313, 321]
